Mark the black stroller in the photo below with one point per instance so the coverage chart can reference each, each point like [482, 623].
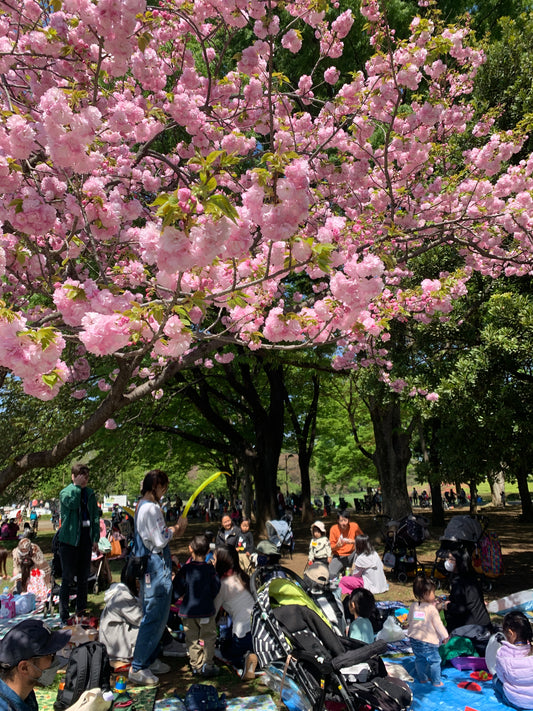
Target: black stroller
[401, 541]
[298, 648]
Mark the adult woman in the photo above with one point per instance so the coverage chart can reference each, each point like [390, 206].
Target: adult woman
[465, 611]
[228, 533]
[235, 597]
[152, 538]
[367, 570]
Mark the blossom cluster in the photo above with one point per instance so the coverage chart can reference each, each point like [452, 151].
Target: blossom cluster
[155, 195]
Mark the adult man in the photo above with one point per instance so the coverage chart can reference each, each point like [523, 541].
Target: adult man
[27, 656]
[342, 537]
[228, 534]
[78, 535]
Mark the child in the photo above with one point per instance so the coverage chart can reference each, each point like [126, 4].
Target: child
[513, 683]
[362, 606]
[319, 548]
[426, 631]
[245, 545]
[198, 584]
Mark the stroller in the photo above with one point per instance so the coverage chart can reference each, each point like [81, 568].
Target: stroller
[483, 546]
[308, 661]
[401, 541]
[279, 532]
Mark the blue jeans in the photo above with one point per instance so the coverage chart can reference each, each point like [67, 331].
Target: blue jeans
[499, 693]
[235, 648]
[155, 595]
[427, 660]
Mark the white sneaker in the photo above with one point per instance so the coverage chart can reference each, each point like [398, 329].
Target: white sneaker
[159, 667]
[175, 649]
[142, 677]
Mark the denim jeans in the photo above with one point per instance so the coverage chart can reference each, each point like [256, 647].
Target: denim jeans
[156, 587]
[235, 648]
[427, 660]
[499, 693]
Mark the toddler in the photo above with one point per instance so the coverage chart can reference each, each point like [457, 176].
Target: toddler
[362, 606]
[199, 584]
[426, 631]
[319, 548]
[513, 683]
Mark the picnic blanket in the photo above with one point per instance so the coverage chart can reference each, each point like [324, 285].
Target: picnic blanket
[143, 697]
[260, 702]
[6, 624]
[449, 697]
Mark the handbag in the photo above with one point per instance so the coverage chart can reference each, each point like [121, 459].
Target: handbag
[136, 566]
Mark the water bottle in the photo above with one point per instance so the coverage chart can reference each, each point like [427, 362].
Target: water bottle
[291, 696]
[120, 684]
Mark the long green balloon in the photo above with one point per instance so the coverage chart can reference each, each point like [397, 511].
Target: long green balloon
[199, 490]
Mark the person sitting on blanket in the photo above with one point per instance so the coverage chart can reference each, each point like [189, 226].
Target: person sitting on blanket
[27, 658]
[513, 682]
[367, 570]
[465, 611]
[27, 549]
[120, 621]
[235, 598]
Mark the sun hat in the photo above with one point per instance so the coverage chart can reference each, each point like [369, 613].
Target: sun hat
[319, 525]
[30, 638]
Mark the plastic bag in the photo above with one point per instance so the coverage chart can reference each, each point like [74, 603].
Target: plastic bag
[392, 631]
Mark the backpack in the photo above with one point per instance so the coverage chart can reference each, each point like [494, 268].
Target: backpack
[488, 556]
[204, 697]
[88, 668]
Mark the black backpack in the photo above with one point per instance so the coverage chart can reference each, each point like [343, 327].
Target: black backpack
[88, 668]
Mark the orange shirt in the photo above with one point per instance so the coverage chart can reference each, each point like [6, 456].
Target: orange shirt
[345, 548]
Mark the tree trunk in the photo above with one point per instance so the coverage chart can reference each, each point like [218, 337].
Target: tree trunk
[523, 490]
[473, 496]
[268, 427]
[391, 456]
[437, 517]
[497, 485]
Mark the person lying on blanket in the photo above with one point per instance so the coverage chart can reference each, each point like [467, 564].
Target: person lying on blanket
[27, 658]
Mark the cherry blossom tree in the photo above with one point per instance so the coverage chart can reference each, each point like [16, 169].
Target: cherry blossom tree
[161, 193]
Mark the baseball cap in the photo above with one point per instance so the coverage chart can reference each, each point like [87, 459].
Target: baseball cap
[30, 638]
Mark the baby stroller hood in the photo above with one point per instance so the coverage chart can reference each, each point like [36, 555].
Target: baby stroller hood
[279, 532]
[290, 630]
[462, 528]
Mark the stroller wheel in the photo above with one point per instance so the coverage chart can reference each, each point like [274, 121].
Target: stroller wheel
[402, 577]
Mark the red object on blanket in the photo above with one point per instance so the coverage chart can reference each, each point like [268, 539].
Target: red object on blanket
[481, 675]
[469, 686]
[469, 708]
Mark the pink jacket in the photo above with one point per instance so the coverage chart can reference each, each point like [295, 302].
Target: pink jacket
[514, 667]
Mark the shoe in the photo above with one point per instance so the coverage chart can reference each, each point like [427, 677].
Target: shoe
[250, 665]
[175, 649]
[159, 667]
[142, 677]
[209, 670]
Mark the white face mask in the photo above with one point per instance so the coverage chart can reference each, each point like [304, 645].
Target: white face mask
[47, 676]
[449, 565]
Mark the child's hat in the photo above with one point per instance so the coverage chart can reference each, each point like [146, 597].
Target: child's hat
[319, 525]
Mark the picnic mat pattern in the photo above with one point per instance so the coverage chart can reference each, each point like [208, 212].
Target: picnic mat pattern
[7, 623]
[261, 702]
[143, 698]
[449, 697]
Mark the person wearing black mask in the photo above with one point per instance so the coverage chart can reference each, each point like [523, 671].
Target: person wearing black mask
[27, 658]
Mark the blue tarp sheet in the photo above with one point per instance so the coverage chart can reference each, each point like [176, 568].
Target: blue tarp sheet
[449, 697]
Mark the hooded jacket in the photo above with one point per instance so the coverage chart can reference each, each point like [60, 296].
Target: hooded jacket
[514, 667]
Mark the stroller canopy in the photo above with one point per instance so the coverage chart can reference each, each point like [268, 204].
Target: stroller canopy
[462, 528]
